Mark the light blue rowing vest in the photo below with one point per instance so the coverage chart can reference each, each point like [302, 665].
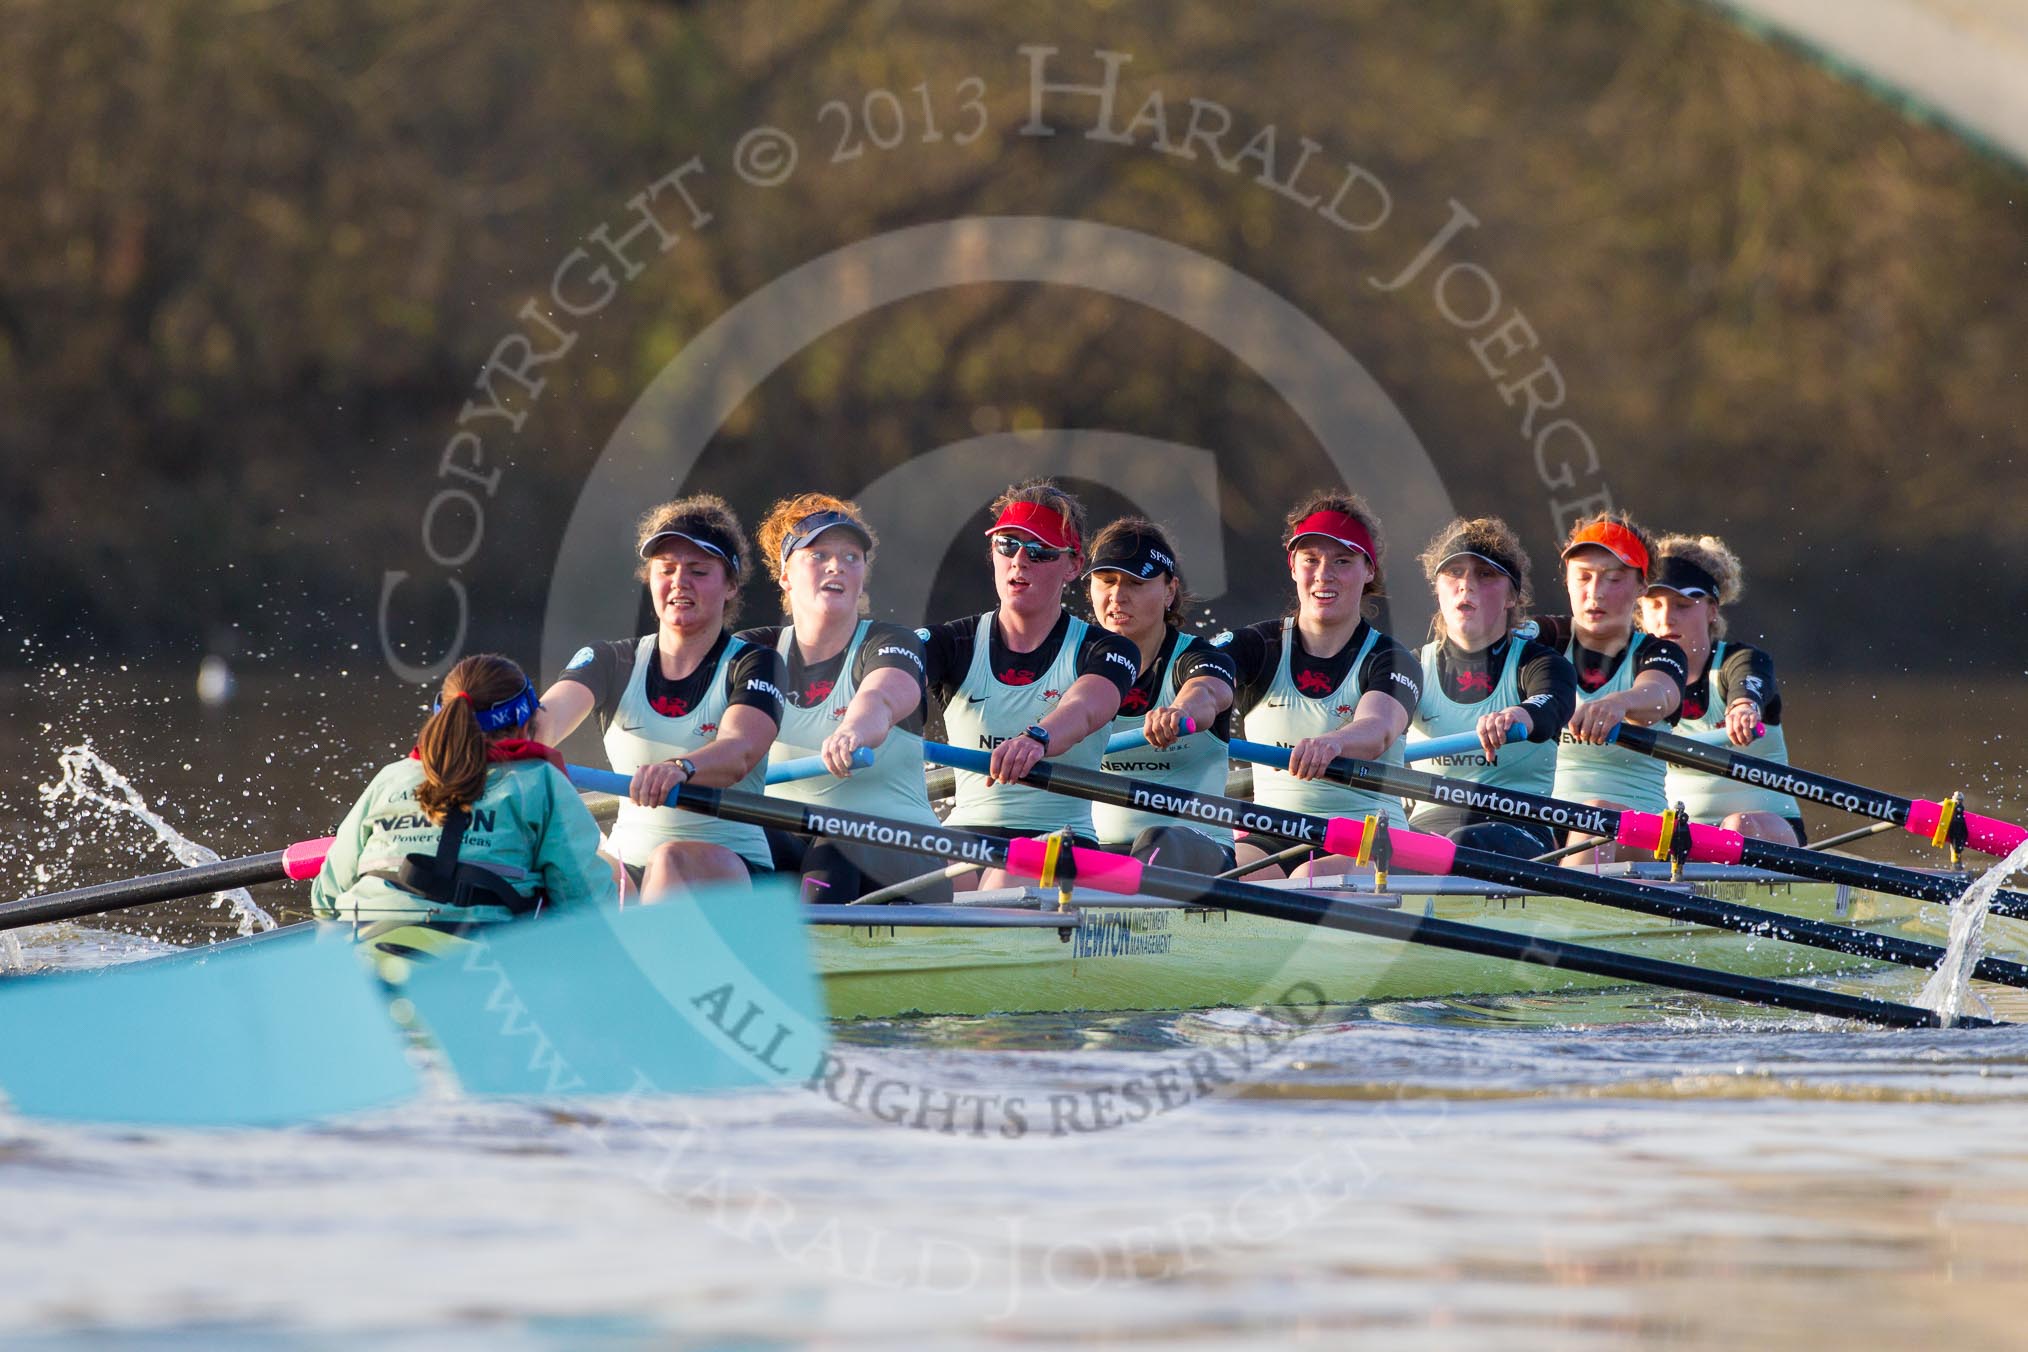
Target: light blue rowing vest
[1197, 763]
[890, 787]
[1287, 715]
[1528, 767]
[1712, 798]
[985, 712]
[1610, 773]
[640, 735]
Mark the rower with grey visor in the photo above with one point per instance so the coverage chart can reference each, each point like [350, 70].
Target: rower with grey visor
[1181, 700]
[1730, 695]
[851, 684]
[1479, 676]
[688, 703]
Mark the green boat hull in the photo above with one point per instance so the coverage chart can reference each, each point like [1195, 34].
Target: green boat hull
[1148, 958]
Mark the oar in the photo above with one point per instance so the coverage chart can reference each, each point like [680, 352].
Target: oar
[1430, 748]
[1856, 833]
[809, 767]
[300, 861]
[1333, 834]
[717, 992]
[941, 783]
[1938, 823]
[284, 1029]
[1288, 856]
[1106, 872]
[1667, 837]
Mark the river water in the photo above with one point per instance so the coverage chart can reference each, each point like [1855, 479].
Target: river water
[1576, 1171]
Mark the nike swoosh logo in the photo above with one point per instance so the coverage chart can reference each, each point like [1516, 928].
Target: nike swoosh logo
[975, 699]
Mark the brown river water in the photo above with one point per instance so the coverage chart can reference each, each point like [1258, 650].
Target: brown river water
[1602, 1170]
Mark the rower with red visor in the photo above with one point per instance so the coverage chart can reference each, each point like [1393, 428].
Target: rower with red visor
[1028, 679]
[1322, 680]
[1623, 675]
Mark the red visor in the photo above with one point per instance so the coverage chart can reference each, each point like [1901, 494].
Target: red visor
[1339, 526]
[1036, 519]
[1616, 540]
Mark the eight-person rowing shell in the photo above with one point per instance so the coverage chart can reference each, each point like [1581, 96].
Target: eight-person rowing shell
[1731, 690]
[1028, 679]
[686, 704]
[693, 703]
[1137, 591]
[1323, 681]
[1479, 676]
[1622, 673]
[850, 683]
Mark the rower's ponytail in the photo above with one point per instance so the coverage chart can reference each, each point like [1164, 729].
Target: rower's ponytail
[452, 746]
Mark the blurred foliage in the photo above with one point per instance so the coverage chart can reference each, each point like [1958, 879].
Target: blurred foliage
[254, 254]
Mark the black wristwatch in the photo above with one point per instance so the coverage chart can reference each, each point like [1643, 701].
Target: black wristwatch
[688, 767]
[1038, 732]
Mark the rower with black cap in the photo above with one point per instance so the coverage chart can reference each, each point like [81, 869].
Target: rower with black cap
[1731, 689]
[688, 703]
[1622, 673]
[1479, 676]
[1028, 679]
[852, 683]
[1323, 681]
[477, 825]
[1137, 591]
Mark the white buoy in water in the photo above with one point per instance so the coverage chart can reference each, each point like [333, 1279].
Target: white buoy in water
[214, 681]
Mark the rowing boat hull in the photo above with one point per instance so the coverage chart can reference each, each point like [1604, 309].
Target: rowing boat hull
[1145, 958]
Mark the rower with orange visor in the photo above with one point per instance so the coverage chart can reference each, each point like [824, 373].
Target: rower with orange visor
[1622, 673]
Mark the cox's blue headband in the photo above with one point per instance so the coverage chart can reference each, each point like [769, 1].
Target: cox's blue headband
[511, 713]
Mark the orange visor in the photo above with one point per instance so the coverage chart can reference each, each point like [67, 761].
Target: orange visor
[1616, 540]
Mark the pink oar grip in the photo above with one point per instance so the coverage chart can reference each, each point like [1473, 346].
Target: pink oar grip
[1987, 835]
[305, 858]
[1100, 870]
[1708, 844]
[1414, 851]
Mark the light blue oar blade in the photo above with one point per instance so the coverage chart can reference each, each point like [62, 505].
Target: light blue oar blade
[285, 1029]
[710, 992]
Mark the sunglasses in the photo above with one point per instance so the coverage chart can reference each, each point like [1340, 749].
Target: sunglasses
[1008, 546]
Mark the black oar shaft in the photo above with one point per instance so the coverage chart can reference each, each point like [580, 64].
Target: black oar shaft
[177, 883]
[1538, 810]
[1488, 867]
[1410, 927]
[1296, 908]
[1856, 799]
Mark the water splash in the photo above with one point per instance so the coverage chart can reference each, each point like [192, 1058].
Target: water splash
[1949, 989]
[90, 780]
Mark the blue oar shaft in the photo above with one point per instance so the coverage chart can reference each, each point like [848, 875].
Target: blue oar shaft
[809, 767]
[1457, 744]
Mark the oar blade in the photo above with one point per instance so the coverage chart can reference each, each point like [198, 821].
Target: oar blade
[714, 991]
[286, 1029]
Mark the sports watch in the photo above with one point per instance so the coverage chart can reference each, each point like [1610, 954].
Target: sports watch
[1038, 732]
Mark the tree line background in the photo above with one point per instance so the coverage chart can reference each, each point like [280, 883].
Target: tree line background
[253, 255]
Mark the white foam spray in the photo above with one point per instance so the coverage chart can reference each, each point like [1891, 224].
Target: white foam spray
[89, 779]
[1948, 991]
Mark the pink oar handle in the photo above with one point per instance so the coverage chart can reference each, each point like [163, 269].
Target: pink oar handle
[1413, 851]
[1100, 870]
[1987, 835]
[304, 859]
[1708, 844]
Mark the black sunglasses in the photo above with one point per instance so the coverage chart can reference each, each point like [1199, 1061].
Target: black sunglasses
[1008, 546]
